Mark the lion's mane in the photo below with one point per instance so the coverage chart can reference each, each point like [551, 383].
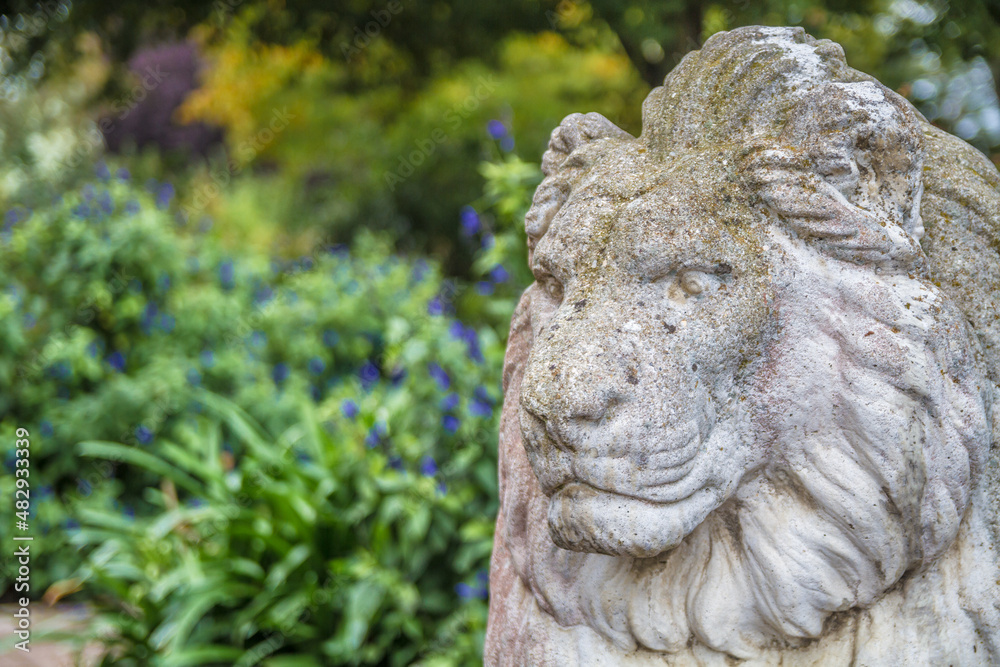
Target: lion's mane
[868, 521]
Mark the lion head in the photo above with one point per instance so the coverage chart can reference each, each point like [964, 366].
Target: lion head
[744, 401]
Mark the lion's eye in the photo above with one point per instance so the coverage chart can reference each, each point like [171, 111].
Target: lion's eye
[553, 288]
[694, 282]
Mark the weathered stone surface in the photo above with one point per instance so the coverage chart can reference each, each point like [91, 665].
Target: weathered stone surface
[750, 398]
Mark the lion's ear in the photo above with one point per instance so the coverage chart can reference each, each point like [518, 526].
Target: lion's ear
[562, 168]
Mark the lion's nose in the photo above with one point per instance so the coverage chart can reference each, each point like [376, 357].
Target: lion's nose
[574, 388]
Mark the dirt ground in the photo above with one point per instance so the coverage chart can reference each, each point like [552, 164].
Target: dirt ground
[46, 652]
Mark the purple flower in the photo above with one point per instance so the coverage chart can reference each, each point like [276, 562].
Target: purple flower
[449, 402]
[349, 408]
[369, 374]
[316, 366]
[439, 375]
[143, 435]
[164, 195]
[10, 217]
[428, 466]
[465, 591]
[117, 361]
[499, 274]
[226, 274]
[507, 144]
[279, 373]
[81, 211]
[450, 423]
[122, 174]
[485, 288]
[496, 129]
[470, 221]
[457, 330]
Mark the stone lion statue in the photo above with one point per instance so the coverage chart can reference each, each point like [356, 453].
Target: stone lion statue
[750, 396]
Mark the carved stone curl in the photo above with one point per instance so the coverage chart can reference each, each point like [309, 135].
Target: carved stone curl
[751, 396]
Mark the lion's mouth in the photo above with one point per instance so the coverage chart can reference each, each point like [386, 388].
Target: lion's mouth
[584, 518]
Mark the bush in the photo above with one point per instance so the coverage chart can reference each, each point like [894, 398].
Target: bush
[116, 320]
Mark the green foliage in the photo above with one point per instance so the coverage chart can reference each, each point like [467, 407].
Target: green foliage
[314, 548]
[115, 319]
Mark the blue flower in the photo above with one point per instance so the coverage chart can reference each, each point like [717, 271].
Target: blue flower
[449, 402]
[376, 434]
[102, 171]
[398, 376]
[439, 375]
[196, 503]
[420, 269]
[167, 322]
[81, 211]
[465, 591]
[279, 373]
[226, 274]
[499, 274]
[105, 202]
[507, 144]
[117, 361]
[194, 377]
[369, 374]
[484, 288]
[442, 488]
[207, 358]
[349, 408]
[46, 428]
[435, 306]
[10, 217]
[143, 435]
[164, 195]
[470, 221]
[88, 191]
[479, 408]
[396, 462]
[263, 295]
[496, 129]
[122, 174]
[132, 207]
[428, 466]
[457, 330]
[93, 350]
[487, 241]
[316, 366]
[450, 423]
[330, 337]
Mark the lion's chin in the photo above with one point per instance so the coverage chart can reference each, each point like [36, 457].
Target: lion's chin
[583, 518]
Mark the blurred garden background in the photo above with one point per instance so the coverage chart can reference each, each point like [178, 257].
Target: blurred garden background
[257, 264]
